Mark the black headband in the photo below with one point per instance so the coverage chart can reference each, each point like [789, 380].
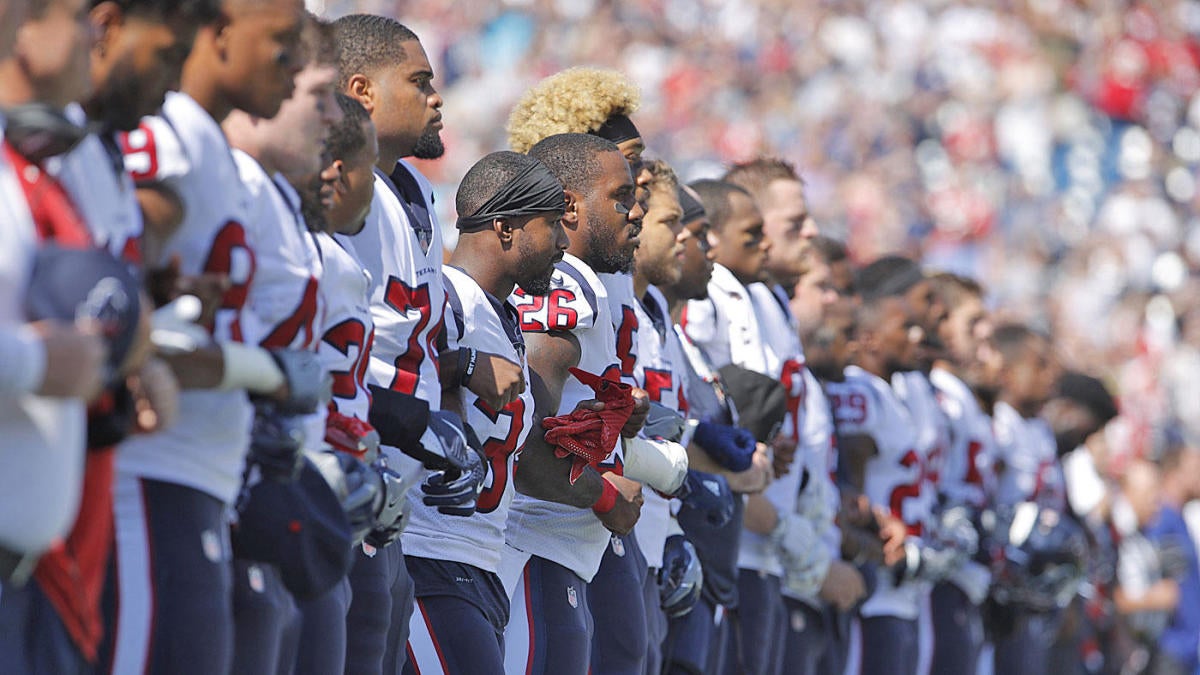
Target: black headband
[692, 208]
[534, 190]
[618, 129]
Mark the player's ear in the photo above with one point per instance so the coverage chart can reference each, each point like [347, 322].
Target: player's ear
[220, 32]
[362, 88]
[504, 230]
[106, 19]
[570, 218]
[341, 184]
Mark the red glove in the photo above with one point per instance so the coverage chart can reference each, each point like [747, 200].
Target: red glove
[591, 435]
[351, 435]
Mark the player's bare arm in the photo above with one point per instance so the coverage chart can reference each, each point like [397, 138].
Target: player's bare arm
[540, 474]
[856, 451]
[493, 378]
[162, 213]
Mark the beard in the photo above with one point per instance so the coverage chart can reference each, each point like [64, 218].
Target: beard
[606, 255]
[311, 207]
[535, 285]
[429, 145]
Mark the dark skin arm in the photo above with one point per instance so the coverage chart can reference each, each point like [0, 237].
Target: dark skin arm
[857, 450]
[541, 474]
[162, 212]
[496, 380]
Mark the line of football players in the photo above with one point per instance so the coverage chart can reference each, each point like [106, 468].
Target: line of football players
[252, 422]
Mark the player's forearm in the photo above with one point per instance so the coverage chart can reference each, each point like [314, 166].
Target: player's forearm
[760, 516]
[859, 545]
[542, 475]
[449, 371]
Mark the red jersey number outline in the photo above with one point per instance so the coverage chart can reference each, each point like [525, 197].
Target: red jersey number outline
[284, 335]
[498, 451]
[230, 238]
[404, 299]
[559, 313]
[342, 337]
[902, 493]
[625, 337]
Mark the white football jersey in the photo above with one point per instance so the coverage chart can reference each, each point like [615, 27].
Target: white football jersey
[284, 308]
[408, 295]
[578, 303]
[1026, 449]
[819, 448]
[895, 476]
[782, 351]
[41, 439]
[283, 305]
[656, 372]
[184, 148]
[94, 175]
[966, 473]
[478, 321]
[932, 428]
[724, 325]
[623, 308]
[347, 329]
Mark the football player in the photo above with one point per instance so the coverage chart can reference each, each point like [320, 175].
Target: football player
[173, 490]
[124, 89]
[49, 627]
[879, 455]
[731, 327]
[965, 476]
[558, 530]
[729, 461]
[599, 102]
[283, 304]
[384, 67]
[510, 236]
[779, 192]
[1027, 469]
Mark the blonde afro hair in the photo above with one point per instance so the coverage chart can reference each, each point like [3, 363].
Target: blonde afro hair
[576, 100]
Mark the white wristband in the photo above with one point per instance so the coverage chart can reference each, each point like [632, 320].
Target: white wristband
[250, 368]
[662, 465]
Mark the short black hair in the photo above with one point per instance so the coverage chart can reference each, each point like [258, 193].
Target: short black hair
[1090, 393]
[368, 42]
[1012, 338]
[574, 159]
[485, 178]
[829, 249]
[714, 194]
[318, 42]
[955, 289]
[192, 11]
[346, 138]
[886, 276]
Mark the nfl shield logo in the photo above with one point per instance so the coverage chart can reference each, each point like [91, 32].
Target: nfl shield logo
[572, 598]
[210, 543]
[618, 546]
[258, 582]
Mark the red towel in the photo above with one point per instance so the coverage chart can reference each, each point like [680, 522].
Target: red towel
[588, 434]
